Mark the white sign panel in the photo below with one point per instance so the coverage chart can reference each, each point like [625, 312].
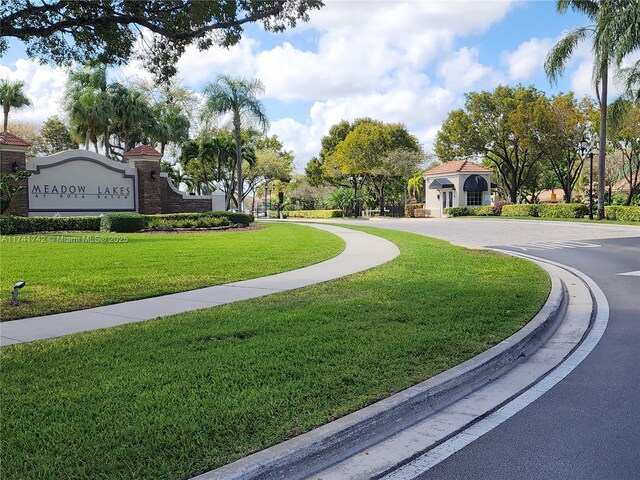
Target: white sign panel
[80, 181]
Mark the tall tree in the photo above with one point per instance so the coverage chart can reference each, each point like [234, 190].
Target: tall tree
[54, 137]
[239, 98]
[106, 31]
[130, 111]
[625, 137]
[602, 14]
[87, 105]
[11, 95]
[497, 125]
[562, 124]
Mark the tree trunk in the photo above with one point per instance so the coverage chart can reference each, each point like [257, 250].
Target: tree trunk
[236, 126]
[87, 140]
[381, 192]
[603, 143]
[106, 142]
[6, 118]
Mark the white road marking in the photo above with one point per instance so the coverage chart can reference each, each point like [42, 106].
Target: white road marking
[631, 274]
[464, 438]
[553, 245]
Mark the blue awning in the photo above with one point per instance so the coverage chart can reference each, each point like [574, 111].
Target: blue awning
[440, 183]
[475, 183]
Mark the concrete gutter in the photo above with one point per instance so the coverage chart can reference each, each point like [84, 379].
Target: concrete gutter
[316, 450]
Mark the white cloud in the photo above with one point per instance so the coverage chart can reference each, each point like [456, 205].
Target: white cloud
[462, 71]
[44, 86]
[528, 58]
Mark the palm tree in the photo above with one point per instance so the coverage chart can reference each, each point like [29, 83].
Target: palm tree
[88, 105]
[237, 96]
[603, 14]
[11, 95]
[130, 111]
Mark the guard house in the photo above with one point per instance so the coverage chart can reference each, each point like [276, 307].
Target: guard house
[457, 184]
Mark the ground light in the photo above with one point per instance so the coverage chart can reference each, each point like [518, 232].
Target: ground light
[16, 290]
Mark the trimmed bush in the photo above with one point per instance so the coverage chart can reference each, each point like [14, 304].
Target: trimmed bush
[622, 212]
[230, 217]
[459, 211]
[164, 224]
[484, 211]
[562, 210]
[11, 225]
[410, 208]
[314, 213]
[122, 222]
[520, 210]
[497, 207]
[421, 212]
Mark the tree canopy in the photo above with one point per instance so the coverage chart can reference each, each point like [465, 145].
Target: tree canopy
[62, 31]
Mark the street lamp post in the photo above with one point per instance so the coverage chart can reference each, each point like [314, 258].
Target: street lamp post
[590, 185]
[358, 180]
[266, 192]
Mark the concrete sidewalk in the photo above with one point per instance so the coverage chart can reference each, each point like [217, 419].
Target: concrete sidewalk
[362, 251]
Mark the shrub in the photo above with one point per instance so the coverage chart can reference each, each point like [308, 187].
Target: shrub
[315, 213]
[622, 212]
[410, 208]
[122, 222]
[16, 225]
[459, 211]
[520, 210]
[485, 211]
[497, 207]
[231, 217]
[161, 223]
[562, 210]
[421, 212]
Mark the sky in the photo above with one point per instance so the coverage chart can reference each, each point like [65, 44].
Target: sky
[395, 61]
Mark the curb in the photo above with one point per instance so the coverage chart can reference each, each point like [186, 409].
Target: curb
[324, 446]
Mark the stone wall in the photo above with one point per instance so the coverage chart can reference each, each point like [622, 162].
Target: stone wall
[149, 189]
[20, 203]
[174, 202]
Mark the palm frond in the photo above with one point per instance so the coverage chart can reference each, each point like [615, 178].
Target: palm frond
[561, 52]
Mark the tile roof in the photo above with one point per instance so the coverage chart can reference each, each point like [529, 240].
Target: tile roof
[457, 166]
[143, 151]
[7, 138]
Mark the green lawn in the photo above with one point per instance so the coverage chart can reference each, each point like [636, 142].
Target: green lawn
[63, 276]
[177, 396]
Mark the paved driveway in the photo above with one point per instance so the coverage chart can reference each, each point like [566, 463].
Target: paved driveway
[478, 232]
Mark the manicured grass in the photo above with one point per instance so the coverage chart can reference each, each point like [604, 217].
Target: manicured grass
[174, 397]
[62, 275]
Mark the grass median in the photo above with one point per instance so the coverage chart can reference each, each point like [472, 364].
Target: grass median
[73, 271]
[177, 396]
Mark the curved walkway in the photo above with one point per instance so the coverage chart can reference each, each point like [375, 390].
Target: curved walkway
[362, 251]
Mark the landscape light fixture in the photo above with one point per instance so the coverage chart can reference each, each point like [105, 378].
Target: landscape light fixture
[153, 174]
[16, 290]
[14, 167]
[583, 146]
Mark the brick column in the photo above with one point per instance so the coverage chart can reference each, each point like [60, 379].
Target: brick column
[146, 160]
[13, 159]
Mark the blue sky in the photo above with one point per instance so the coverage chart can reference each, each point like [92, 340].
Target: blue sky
[397, 61]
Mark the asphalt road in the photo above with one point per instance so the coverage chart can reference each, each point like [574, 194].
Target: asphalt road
[587, 426]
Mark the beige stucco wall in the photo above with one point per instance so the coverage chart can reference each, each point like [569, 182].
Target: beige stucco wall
[434, 204]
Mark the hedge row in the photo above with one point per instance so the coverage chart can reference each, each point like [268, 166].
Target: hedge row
[121, 222]
[520, 210]
[11, 225]
[421, 212]
[622, 212]
[410, 208]
[314, 213]
[484, 211]
[562, 210]
[134, 222]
